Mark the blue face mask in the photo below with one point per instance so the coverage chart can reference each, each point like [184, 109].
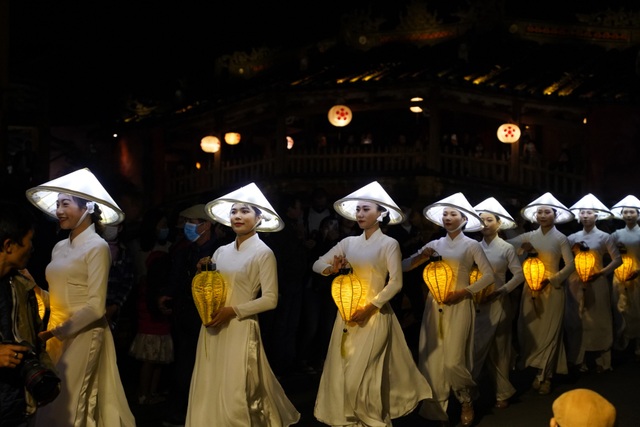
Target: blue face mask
[191, 232]
[163, 234]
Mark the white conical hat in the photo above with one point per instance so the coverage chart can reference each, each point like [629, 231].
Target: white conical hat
[81, 183]
[547, 199]
[628, 202]
[592, 203]
[250, 194]
[492, 206]
[457, 201]
[374, 193]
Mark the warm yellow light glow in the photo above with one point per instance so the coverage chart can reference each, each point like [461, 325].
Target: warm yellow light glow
[533, 270]
[198, 165]
[584, 261]
[624, 270]
[340, 115]
[209, 292]
[210, 144]
[232, 138]
[474, 275]
[416, 99]
[584, 121]
[508, 133]
[415, 109]
[438, 276]
[289, 143]
[348, 293]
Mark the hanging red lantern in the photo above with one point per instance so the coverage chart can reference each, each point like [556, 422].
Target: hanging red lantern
[624, 270]
[585, 260]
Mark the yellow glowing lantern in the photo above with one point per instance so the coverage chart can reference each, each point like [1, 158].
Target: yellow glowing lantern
[508, 133]
[479, 297]
[210, 144]
[340, 115]
[232, 138]
[438, 277]
[534, 271]
[348, 293]
[209, 292]
[585, 261]
[624, 270]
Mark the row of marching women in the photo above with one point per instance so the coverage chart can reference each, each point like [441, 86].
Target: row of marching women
[370, 375]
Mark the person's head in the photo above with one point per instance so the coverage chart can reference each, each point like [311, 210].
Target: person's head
[546, 215]
[492, 223]
[292, 206]
[630, 216]
[587, 217]
[197, 226]
[370, 215]
[582, 407]
[319, 201]
[329, 228]
[75, 212]
[453, 219]
[16, 234]
[153, 229]
[244, 218]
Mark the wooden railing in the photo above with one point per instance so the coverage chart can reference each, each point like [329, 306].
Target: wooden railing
[345, 162]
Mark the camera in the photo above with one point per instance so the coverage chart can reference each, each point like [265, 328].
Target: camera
[40, 381]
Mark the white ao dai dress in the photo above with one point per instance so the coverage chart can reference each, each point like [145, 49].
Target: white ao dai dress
[588, 320]
[627, 294]
[446, 359]
[377, 379]
[492, 338]
[82, 348]
[540, 325]
[232, 383]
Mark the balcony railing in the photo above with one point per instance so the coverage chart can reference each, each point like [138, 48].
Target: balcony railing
[344, 162]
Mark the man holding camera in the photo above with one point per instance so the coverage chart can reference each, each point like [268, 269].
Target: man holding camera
[26, 376]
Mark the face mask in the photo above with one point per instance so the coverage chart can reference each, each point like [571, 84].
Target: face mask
[191, 232]
[110, 233]
[163, 234]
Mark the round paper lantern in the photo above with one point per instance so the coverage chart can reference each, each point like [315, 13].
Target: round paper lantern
[624, 270]
[348, 293]
[340, 115]
[209, 292]
[210, 144]
[508, 133]
[533, 270]
[585, 261]
[232, 138]
[438, 277]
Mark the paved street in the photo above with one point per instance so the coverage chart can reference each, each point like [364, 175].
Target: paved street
[528, 409]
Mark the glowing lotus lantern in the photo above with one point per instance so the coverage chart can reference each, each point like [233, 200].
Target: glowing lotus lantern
[479, 297]
[533, 270]
[438, 277]
[585, 261]
[624, 270]
[209, 292]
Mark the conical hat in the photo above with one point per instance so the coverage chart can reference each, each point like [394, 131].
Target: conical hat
[592, 203]
[492, 206]
[457, 201]
[374, 193]
[250, 194]
[628, 202]
[547, 199]
[81, 183]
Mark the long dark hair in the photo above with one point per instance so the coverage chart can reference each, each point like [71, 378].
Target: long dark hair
[96, 216]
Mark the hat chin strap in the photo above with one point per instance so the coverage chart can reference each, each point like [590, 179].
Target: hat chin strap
[88, 211]
[460, 226]
[382, 215]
